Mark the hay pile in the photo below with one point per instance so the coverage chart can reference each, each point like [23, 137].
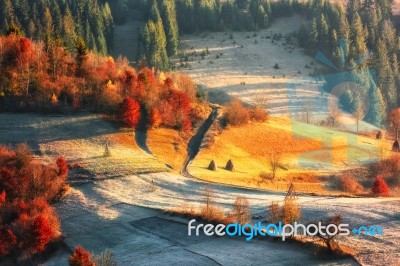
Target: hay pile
[229, 166]
[107, 152]
[212, 166]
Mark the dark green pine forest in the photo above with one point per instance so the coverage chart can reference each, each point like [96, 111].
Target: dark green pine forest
[62, 21]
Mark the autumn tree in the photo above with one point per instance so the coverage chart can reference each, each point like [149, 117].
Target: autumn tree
[274, 212]
[331, 239]
[379, 187]
[241, 210]
[62, 167]
[290, 211]
[155, 118]
[394, 118]
[236, 114]
[359, 113]
[274, 161]
[130, 112]
[28, 223]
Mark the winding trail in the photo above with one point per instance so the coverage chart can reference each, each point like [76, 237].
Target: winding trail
[196, 141]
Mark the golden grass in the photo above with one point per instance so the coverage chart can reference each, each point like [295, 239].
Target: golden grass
[168, 146]
[249, 147]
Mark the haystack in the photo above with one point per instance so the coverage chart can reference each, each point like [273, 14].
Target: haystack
[212, 166]
[396, 146]
[229, 166]
[379, 135]
[107, 152]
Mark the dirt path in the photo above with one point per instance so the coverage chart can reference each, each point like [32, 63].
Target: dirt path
[196, 141]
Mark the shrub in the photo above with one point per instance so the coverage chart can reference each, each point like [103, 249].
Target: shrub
[258, 114]
[23, 155]
[380, 188]
[209, 212]
[130, 112]
[62, 167]
[236, 114]
[241, 211]
[266, 176]
[350, 185]
[81, 257]
[105, 258]
[274, 213]
[388, 167]
[330, 240]
[41, 233]
[290, 211]
[199, 112]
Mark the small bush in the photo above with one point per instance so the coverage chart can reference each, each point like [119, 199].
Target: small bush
[236, 114]
[62, 167]
[81, 257]
[258, 114]
[331, 239]
[388, 167]
[266, 176]
[105, 258]
[290, 211]
[350, 185]
[209, 212]
[274, 212]
[241, 211]
[380, 188]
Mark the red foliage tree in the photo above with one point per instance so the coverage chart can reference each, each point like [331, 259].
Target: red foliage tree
[155, 118]
[62, 167]
[8, 182]
[2, 198]
[168, 83]
[380, 188]
[27, 222]
[80, 257]
[130, 112]
[187, 125]
[7, 240]
[41, 233]
[175, 109]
